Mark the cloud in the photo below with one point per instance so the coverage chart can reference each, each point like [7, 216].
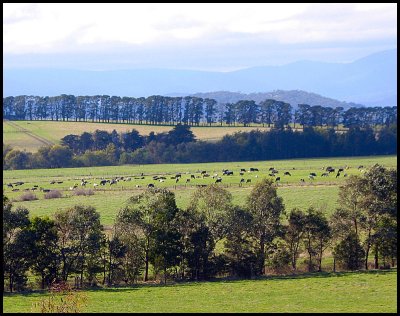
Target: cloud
[188, 30]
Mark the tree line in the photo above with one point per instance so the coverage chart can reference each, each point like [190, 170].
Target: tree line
[189, 110]
[154, 239]
[179, 145]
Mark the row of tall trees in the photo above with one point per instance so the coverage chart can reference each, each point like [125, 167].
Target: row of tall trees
[189, 110]
[151, 231]
[179, 145]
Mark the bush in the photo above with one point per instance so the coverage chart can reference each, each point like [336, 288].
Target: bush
[83, 192]
[53, 194]
[28, 196]
[349, 253]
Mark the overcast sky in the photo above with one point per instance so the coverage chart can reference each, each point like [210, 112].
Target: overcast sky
[219, 37]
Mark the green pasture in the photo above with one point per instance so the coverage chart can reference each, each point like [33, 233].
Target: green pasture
[346, 292]
[322, 192]
[55, 130]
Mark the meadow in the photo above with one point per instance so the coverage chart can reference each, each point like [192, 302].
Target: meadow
[350, 292]
[20, 134]
[322, 192]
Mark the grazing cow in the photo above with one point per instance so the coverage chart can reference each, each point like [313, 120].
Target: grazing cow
[360, 167]
[18, 183]
[253, 169]
[278, 179]
[229, 173]
[324, 174]
[287, 173]
[150, 185]
[15, 190]
[205, 175]
[313, 174]
[338, 174]
[83, 183]
[271, 174]
[103, 182]
[241, 173]
[203, 172]
[248, 180]
[187, 180]
[192, 176]
[243, 170]
[10, 185]
[46, 190]
[219, 180]
[241, 180]
[128, 179]
[272, 168]
[274, 171]
[178, 175]
[59, 182]
[340, 170]
[33, 189]
[113, 181]
[331, 170]
[52, 182]
[35, 186]
[27, 189]
[311, 177]
[177, 179]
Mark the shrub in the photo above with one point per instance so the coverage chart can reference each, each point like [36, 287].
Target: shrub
[28, 196]
[349, 253]
[53, 194]
[83, 192]
[62, 299]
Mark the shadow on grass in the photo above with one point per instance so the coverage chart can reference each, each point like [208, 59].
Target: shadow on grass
[129, 288]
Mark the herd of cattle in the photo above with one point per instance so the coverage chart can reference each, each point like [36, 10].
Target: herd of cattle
[190, 178]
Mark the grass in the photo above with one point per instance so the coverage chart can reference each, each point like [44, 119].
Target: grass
[322, 192]
[55, 130]
[351, 292]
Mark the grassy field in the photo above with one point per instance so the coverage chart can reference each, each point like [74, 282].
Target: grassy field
[321, 192]
[53, 131]
[357, 292]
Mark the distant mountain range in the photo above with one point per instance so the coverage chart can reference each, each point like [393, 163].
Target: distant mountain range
[294, 97]
[370, 81]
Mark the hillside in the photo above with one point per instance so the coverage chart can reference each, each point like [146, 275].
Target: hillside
[370, 80]
[294, 97]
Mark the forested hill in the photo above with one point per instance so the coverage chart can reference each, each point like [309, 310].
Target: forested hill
[293, 97]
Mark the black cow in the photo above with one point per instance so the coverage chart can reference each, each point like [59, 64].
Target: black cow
[103, 182]
[150, 185]
[192, 176]
[187, 180]
[248, 180]
[219, 180]
[313, 174]
[243, 170]
[338, 174]
[10, 185]
[253, 169]
[324, 174]
[241, 180]
[287, 173]
[278, 179]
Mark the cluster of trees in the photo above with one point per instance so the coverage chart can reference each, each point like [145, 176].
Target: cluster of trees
[180, 146]
[151, 231]
[189, 110]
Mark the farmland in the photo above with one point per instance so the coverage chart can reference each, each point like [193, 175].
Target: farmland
[351, 292]
[31, 135]
[321, 192]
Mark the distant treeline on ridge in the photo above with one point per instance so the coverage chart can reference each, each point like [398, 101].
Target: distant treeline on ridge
[189, 110]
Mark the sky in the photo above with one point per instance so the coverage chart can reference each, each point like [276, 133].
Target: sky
[209, 37]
